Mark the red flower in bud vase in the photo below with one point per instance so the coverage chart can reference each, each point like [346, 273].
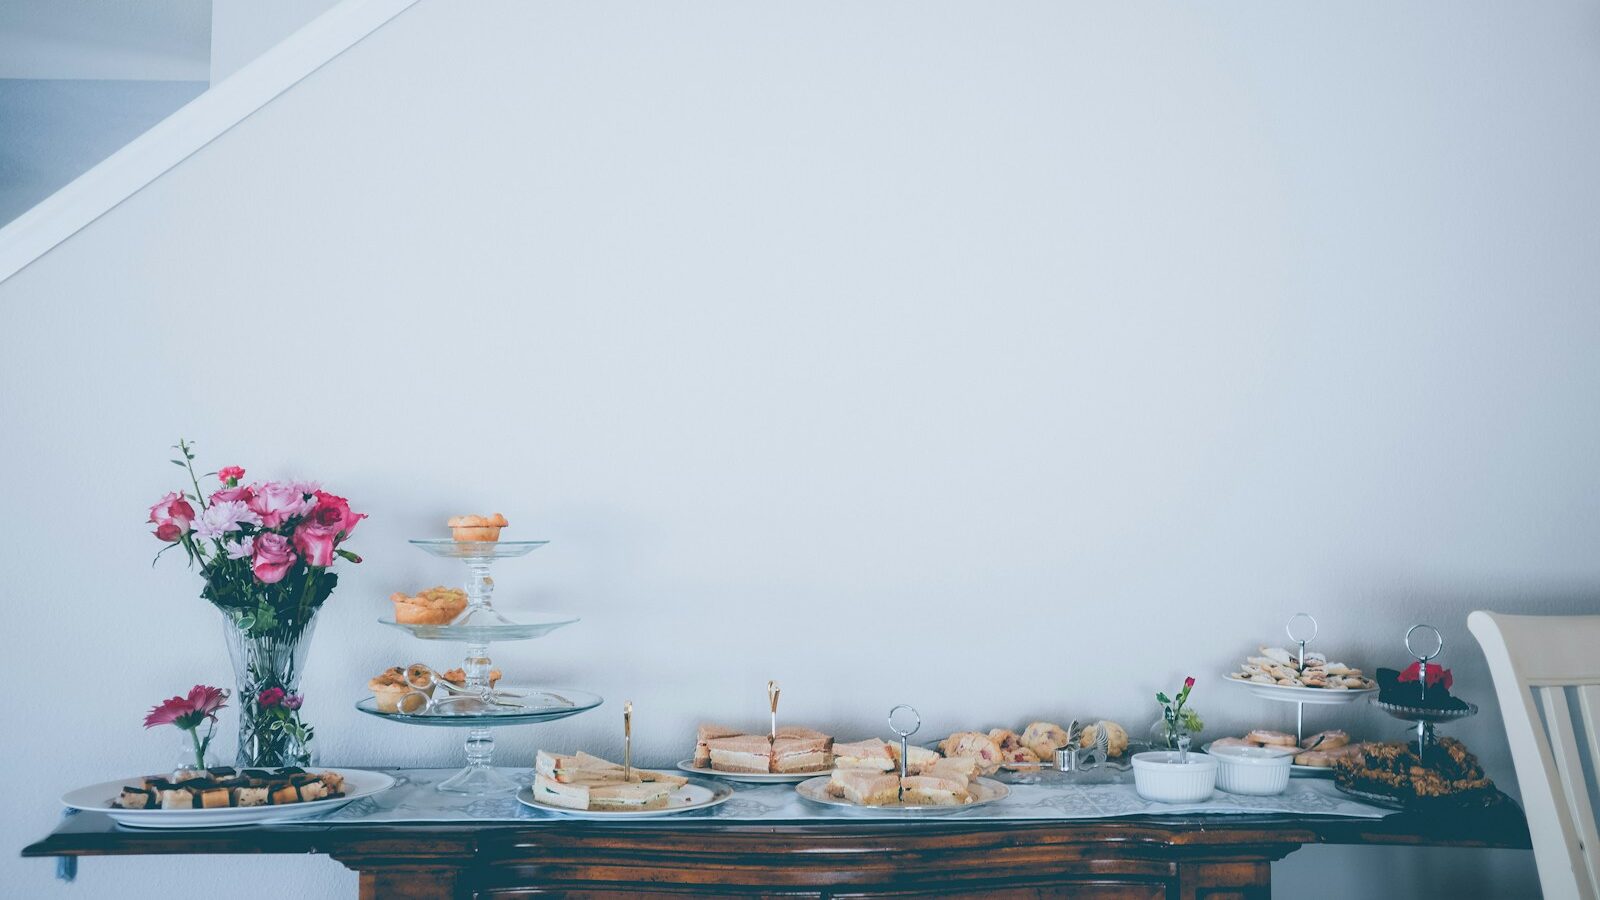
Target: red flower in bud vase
[270, 697]
[1437, 675]
[230, 475]
[189, 713]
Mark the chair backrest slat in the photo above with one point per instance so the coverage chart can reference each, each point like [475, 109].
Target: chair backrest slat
[1569, 766]
[1534, 661]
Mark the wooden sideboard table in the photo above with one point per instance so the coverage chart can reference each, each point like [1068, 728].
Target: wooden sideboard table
[1179, 858]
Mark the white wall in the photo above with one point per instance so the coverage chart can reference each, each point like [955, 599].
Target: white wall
[242, 30]
[55, 129]
[138, 40]
[1024, 357]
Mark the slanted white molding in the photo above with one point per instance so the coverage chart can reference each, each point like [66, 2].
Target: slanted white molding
[144, 159]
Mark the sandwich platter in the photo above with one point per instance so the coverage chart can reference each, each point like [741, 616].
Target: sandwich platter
[687, 765]
[695, 795]
[358, 783]
[984, 790]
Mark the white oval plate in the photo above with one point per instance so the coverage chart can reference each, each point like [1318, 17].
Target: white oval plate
[687, 765]
[987, 790]
[97, 798]
[692, 796]
[1285, 693]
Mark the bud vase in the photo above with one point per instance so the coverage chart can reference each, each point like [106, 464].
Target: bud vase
[267, 664]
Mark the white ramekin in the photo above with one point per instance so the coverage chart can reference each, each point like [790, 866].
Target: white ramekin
[1259, 771]
[1159, 776]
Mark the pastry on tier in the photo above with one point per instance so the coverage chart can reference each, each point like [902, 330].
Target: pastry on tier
[1275, 665]
[393, 693]
[583, 781]
[794, 750]
[1321, 750]
[438, 605]
[458, 677]
[224, 786]
[477, 528]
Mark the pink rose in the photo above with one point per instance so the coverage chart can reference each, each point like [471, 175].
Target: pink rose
[315, 542]
[334, 512]
[236, 494]
[172, 516]
[270, 697]
[273, 557]
[278, 503]
[230, 475]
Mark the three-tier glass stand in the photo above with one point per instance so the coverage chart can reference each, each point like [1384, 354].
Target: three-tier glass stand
[480, 705]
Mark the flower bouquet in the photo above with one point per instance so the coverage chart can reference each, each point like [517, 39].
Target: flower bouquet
[266, 551]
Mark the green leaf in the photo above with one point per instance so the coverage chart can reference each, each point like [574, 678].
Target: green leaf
[176, 462]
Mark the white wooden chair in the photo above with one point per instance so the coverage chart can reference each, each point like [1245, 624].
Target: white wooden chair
[1536, 662]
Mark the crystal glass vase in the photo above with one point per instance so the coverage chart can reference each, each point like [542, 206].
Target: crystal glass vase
[267, 664]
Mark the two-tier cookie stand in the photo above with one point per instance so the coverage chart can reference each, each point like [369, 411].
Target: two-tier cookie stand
[480, 705]
[1423, 718]
[1302, 629]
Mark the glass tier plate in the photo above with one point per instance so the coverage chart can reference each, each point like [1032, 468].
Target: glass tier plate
[1291, 694]
[536, 705]
[1426, 714]
[984, 791]
[536, 625]
[477, 550]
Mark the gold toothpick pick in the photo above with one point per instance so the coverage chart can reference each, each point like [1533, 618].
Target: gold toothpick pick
[772, 699]
[627, 741]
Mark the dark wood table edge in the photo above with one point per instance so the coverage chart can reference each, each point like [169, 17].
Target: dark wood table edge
[92, 834]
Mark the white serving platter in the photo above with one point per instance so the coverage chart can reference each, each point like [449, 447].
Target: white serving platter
[358, 783]
[693, 796]
[1284, 693]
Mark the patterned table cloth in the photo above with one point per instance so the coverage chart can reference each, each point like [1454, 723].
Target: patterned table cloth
[1109, 795]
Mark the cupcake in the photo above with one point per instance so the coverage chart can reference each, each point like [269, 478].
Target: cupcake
[477, 528]
[458, 677]
[390, 690]
[435, 606]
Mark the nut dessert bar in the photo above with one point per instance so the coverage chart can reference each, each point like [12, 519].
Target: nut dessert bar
[224, 786]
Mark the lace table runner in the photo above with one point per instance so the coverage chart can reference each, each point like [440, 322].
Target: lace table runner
[414, 799]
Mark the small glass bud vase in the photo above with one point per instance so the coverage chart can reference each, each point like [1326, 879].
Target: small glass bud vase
[1166, 733]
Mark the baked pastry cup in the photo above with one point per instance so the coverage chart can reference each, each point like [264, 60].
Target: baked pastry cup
[458, 677]
[394, 695]
[477, 528]
[437, 605]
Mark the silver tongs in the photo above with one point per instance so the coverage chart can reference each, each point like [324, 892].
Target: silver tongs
[1076, 758]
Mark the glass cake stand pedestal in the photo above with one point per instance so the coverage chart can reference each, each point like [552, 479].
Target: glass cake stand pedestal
[480, 705]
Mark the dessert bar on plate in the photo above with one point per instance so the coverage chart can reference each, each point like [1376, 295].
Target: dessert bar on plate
[225, 796]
